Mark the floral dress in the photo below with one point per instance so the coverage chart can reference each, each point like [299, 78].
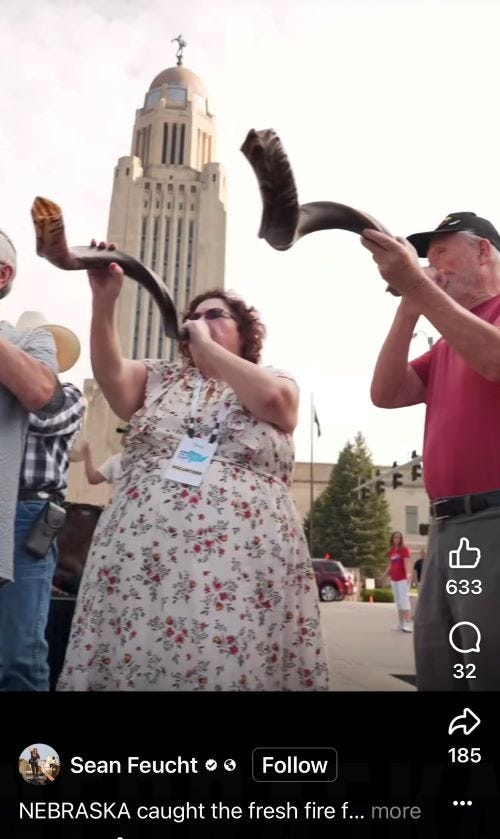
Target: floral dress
[198, 588]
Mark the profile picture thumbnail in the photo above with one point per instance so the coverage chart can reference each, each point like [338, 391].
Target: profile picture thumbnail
[39, 764]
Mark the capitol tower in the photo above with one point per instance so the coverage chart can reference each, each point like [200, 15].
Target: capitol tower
[168, 209]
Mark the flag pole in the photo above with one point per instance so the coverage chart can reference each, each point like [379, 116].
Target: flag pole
[311, 480]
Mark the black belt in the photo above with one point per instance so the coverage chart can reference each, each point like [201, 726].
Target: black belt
[445, 508]
[40, 495]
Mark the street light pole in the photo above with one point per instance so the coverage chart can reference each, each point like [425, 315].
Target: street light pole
[430, 339]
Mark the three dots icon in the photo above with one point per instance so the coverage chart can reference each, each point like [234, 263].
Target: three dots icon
[462, 803]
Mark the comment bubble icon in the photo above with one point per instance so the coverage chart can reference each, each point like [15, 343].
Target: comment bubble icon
[465, 637]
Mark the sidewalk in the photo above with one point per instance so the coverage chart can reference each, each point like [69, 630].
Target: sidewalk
[365, 653]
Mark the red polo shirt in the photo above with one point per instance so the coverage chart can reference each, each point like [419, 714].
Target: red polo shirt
[462, 423]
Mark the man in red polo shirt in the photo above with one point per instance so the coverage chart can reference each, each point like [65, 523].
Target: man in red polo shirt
[457, 626]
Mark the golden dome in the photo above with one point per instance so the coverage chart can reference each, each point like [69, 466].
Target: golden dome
[180, 77]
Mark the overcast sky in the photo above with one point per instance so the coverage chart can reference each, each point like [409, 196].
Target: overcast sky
[390, 108]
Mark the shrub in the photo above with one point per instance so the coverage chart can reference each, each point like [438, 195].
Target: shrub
[380, 595]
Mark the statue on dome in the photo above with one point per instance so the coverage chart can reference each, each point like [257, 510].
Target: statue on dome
[180, 48]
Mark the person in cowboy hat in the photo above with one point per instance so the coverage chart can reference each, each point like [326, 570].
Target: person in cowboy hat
[24, 605]
[28, 382]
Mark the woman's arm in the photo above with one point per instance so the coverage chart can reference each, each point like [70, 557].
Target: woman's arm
[123, 381]
[406, 559]
[268, 397]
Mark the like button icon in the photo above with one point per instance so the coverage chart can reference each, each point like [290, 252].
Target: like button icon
[464, 556]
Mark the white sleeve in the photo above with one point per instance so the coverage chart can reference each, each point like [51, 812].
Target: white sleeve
[111, 469]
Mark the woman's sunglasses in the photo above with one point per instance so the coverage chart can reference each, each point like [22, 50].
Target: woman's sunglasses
[211, 314]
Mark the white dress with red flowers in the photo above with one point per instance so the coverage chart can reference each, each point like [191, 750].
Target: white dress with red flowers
[207, 588]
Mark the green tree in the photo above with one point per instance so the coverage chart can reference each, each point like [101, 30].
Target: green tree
[353, 530]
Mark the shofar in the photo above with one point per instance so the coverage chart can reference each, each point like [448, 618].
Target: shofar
[284, 221]
[51, 244]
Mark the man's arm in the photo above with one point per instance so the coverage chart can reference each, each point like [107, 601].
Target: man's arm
[395, 384]
[66, 420]
[31, 381]
[475, 340]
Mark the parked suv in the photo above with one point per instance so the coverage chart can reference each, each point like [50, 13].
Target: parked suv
[332, 579]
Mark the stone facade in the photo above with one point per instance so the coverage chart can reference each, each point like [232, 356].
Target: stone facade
[408, 504]
[168, 209]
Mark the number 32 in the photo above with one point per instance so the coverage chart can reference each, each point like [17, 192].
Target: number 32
[464, 671]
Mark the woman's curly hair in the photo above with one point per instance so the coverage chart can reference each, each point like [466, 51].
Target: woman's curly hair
[250, 327]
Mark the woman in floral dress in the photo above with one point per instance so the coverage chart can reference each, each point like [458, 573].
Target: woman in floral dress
[205, 587]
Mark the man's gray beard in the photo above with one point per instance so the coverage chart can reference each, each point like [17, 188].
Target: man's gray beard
[461, 287]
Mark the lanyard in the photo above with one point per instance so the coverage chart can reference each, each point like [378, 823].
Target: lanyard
[221, 414]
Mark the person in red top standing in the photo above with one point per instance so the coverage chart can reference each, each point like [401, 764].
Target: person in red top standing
[400, 580]
[459, 380]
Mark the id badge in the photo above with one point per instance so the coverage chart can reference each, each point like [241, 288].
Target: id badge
[190, 461]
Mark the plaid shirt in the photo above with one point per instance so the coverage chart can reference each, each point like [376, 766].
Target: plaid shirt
[48, 444]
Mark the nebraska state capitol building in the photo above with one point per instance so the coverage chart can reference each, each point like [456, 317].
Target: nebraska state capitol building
[168, 209]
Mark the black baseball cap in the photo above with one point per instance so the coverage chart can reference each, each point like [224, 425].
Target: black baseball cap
[457, 223]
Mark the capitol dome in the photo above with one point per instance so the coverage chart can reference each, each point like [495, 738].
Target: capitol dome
[180, 77]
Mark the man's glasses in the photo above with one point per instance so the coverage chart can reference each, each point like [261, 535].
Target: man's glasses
[211, 314]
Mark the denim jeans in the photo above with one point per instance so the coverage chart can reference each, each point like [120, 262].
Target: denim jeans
[24, 609]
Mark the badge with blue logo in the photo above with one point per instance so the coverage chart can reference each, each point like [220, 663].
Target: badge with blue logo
[191, 460]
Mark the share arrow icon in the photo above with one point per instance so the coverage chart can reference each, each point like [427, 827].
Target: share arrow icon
[468, 721]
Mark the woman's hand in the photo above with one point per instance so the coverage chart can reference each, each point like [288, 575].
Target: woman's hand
[200, 340]
[106, 283]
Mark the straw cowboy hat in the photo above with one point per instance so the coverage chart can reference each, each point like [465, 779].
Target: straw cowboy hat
[67, 343]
